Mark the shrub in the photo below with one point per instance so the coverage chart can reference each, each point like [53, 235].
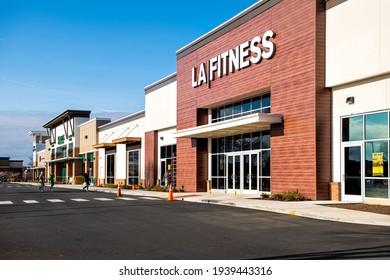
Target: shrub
[290, 195]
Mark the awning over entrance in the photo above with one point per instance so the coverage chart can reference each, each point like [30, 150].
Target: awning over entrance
[62, 159]
[245, 124]
[104, 145]
[126, 140]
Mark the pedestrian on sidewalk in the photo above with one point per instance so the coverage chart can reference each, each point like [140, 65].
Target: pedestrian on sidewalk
[51, 181]
[86, 181]
[41, 179]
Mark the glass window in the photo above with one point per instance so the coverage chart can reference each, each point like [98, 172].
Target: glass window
[265, 140]
[221, 113]
[376, 163]
[237, 143]
[256, 104]
[376, 126]
[255, 140]
[352, 128]
[246, 142]
[377, 188]
[133, 176]
[221, 169]
[265, 163]
[237, 109]
[242, 108]
[169, 151]
[214, 165]
[110, 171]
[214, 145]
[228, 144]
[221, 144]
[246, 107]
[214, 115]
[228, 112]
[265, 101]
[163, 152]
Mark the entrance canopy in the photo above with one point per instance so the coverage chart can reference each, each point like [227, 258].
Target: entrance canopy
[241, 125]
[62, 159]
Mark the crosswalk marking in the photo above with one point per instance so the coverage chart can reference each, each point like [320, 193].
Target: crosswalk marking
[103, 199]
[150, 198]
[30, 201]
[55, 200]
[6, 202]
[126, 198]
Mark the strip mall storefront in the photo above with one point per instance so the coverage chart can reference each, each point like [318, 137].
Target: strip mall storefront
[254, 110]
[361, 95]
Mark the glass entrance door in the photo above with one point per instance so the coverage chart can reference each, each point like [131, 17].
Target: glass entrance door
[250, 171]
[242, 172]
[352, 173]
[233, 173]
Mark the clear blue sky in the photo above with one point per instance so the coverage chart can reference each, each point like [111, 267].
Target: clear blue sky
[90, 55]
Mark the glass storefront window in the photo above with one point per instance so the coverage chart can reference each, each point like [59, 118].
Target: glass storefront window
[377, 188]
[376, 159]
[376, 126]
[242, 108]
[249, 165]
[373, 132]
[265, 163]
[265, 140]
[255, 140]
[352, 128]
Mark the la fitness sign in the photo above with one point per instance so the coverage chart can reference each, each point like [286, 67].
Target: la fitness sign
[240, 57]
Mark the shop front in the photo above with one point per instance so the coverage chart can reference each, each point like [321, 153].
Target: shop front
[253, 111]
[360, 98]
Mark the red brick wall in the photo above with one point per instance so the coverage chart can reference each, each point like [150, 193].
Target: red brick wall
[151, 158]
[300, 152]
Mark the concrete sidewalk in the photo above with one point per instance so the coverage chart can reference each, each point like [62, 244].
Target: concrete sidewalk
[308, 209]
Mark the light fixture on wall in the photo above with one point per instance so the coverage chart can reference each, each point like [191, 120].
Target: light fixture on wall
[161, 138]
[350, 100]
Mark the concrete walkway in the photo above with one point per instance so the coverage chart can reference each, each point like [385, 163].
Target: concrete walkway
[308, 209]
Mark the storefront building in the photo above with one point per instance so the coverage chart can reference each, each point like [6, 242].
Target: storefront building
[38, 153]
[359, 75]
[254, 113]
[120, 156]
[89, 138]
[160, 142]
[63, 147]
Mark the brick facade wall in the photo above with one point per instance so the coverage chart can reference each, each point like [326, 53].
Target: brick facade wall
[300, 148]
[151, 158]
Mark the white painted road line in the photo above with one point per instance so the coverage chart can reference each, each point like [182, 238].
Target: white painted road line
[103, 199]
[150, 198]
[79, 199]
[55, 200]
[126, 198]
[6, 202]
[30, 201]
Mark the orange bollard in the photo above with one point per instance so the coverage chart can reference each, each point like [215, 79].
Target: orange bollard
[118, 191]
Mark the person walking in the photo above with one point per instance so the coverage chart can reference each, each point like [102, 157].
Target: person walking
[41, 179]
[86, 181]
[51, 181]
